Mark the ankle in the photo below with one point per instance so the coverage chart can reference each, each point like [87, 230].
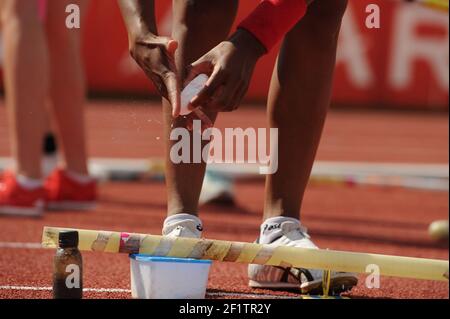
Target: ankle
[192, 223]
[280, 210]
[180, 217]
[175, 208]
[271, 228]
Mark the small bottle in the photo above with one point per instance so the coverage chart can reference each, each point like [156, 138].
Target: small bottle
[68, 268]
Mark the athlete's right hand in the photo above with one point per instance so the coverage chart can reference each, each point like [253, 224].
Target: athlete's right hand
[156, 56]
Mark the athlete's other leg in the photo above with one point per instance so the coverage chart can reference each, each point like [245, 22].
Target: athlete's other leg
[298, 102]
[299, 98]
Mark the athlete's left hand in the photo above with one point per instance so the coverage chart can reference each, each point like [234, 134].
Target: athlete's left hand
[230, 67]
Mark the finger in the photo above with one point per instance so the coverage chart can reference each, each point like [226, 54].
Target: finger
[207, 104]
[241, 95]
[190, 121]
[205, 127]
[216, 79]
[170, 80]
[237, 99]
[199, 115]
[172, 47]
[189, 124]
[195, 69]
[227, 98]
[206, 121]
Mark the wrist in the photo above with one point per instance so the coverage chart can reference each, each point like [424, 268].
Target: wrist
[135, 35]
[138, 38]
[244, 39]
[139, 18]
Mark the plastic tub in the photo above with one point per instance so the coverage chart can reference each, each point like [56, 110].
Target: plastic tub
[168, 278]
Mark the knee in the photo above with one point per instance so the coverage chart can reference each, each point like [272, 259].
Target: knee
[321, 25]
[209, 11]
[329, 9]
[327, 15]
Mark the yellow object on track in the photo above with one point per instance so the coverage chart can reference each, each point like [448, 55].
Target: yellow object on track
[219, 250]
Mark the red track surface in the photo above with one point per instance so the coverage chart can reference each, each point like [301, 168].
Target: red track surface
[366, 219]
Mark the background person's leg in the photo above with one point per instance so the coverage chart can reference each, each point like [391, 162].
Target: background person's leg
[198, 26]
[67, 86]
[26, 82]
[299, 98]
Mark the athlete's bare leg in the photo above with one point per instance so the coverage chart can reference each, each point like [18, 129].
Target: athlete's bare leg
[198, 26]
[299, 98]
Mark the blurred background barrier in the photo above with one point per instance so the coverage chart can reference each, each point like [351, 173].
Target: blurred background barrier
[403, 64]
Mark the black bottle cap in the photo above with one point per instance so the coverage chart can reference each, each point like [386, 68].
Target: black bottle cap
[68, 239]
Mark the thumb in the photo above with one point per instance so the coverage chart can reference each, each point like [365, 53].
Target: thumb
[169, 44]
[171, 47]
[201, 66]
[170, 80]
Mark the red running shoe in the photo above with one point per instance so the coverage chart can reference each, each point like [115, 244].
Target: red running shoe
[18, 201]
[63, 192]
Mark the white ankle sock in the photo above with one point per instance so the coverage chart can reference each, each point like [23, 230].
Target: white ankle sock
[29, 183]
[271, 228]
[173, 221]
[80, 178]
[180, 217]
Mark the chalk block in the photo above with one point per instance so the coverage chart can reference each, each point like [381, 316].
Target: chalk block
[190, 91]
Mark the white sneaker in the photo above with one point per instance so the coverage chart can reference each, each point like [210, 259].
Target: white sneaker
[284, 231]
[183, 225]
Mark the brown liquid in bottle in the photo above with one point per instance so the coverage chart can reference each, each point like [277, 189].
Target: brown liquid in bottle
[68, 268]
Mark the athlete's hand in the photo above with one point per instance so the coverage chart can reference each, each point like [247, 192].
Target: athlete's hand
[155, 55]
[230, 67]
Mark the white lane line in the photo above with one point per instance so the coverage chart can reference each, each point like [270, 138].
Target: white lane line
[20, 245]
[432, 177]
[25, 288]
[248, 295]
[32, 288]
[119, 290]
[107, 290]
[131, 165]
